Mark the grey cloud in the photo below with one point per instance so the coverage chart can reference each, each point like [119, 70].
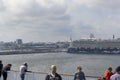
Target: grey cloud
[109, 4]
[2, 7]
[32, 20]
[34, 9]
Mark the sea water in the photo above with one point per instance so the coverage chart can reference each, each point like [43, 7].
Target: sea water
[92, 64]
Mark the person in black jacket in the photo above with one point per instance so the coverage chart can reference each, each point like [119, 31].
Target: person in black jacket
[5, 69]
[80, 74]
[1, 67]
[53, 75]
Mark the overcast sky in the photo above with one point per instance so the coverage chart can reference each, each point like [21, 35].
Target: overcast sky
[58, 20]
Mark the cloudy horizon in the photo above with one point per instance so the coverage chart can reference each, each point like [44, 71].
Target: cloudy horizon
[58, 20]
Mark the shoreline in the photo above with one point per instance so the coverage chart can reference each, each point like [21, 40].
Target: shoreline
[27, 52]
[39, 52]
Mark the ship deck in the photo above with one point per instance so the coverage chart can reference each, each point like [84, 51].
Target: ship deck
[15, 75]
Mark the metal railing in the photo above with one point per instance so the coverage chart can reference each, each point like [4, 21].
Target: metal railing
[15, 75]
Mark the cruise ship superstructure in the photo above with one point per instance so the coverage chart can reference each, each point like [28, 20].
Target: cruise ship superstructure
[95, 46]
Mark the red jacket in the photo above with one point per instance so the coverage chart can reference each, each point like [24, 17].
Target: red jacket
[107, 75]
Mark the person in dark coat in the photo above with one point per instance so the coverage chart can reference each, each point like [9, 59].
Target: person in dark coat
[80, 74]
[1, 67]
[53, 75]
[5, 69]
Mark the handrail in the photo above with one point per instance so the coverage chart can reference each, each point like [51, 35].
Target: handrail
[64, 74]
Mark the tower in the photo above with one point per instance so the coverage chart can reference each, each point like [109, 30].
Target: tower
[92, 36]
[71, 43]
[19, 42]
[113, 36]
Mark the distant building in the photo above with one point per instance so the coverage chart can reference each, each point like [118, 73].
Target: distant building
[19, 42]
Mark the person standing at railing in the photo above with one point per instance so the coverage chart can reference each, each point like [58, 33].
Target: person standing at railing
[116, 76]
[80, 74]
[1, 67]
[4, 71]
[23, 70]
[108, 73]
[53, 75]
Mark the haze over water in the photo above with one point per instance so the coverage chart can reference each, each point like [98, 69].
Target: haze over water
[94, 64]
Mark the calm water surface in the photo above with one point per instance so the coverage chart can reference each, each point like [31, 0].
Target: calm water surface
[92, 64]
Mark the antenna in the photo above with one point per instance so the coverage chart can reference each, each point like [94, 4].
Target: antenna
[70, 39]
[71, 43]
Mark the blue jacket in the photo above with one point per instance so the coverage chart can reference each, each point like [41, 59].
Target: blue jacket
[79, 76]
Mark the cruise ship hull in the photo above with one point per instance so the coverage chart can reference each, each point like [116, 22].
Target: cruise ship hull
[94, 51]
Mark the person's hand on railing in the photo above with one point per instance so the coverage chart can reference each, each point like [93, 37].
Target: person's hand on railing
[29, 71]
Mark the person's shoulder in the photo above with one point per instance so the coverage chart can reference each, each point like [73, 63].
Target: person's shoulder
[81, 72]
[114, 75]
[48, 75]
[107, 72]
[76, 73]
[58, 75]
[1, 64]
[22, 66]
[111, 73]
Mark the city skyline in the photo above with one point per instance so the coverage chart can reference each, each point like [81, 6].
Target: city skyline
[58, 20]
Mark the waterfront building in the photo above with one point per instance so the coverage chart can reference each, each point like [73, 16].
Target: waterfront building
[19, 41]
[95, 46]
[89, 43]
